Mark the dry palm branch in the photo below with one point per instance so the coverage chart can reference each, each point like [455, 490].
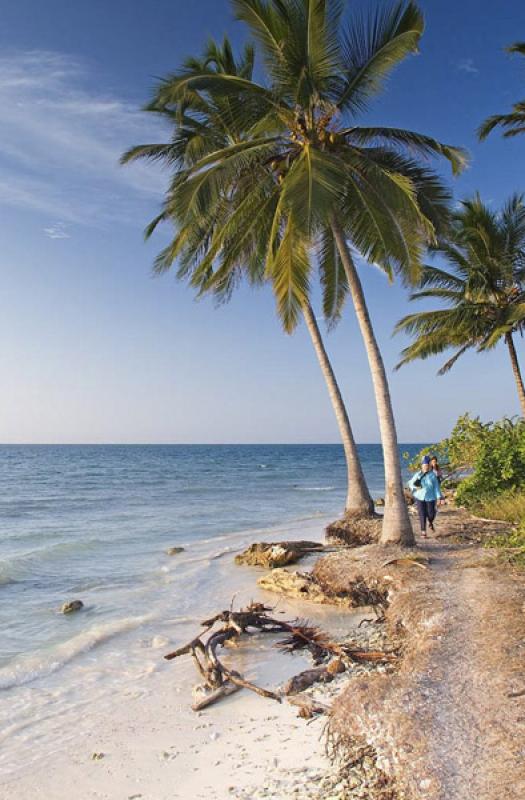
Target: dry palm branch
[219, 680]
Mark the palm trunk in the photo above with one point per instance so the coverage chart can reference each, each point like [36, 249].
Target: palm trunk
[358, 500]
[516, 369]
[396, 523]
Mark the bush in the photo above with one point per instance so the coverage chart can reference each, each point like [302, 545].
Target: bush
[456, 454]
[482, 459]
[498, 463]
[513, 545]
[508, 506]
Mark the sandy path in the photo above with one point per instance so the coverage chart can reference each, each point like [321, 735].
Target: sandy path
[476, 739]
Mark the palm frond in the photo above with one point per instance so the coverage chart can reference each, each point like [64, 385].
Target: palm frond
[408, 141]
[373, 47]
[333, 277]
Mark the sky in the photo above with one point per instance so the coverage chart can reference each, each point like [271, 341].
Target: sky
[94, 349]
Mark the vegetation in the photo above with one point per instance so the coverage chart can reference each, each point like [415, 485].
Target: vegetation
[298, 180]
[512, 123]
[512, 546]
[203, 125]
[484, 290]
[486, 461]
[508, 506]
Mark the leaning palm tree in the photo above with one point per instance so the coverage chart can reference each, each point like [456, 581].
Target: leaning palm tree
[484, 291]
[512, 123]
[302, 180]
[203, 125]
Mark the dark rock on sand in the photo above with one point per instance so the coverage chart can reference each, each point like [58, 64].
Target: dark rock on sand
[71, 606]
[173, 551]
[276, 554]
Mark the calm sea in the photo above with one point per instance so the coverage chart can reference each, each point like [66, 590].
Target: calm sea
[94, 523]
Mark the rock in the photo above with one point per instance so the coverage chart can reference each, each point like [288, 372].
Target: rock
[335, 667]
[380, 501]
[71, 606]
[97, 756]
[300, 585]
[276, 554]
[173, 551]
[354, 531]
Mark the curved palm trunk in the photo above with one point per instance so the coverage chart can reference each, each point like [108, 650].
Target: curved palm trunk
[358, 500]
[396, 523]
[516, 369]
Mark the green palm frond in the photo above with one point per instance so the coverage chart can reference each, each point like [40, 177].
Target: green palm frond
[517, 47]
[373, 47]
[333, 277]
[410, 142]
[257, 171]
[484, 292]
[289, 270]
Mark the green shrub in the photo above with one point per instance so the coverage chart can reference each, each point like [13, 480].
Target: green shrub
[482, 459]
[458, 453]
[508, 506]
[498, 463]
[512, 545]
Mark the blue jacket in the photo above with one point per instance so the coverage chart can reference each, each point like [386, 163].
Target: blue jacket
[429, 489]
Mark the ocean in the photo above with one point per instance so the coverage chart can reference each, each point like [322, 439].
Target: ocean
[94, 523]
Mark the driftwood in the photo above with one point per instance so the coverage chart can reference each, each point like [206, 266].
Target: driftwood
[308, 707]
[220, 681]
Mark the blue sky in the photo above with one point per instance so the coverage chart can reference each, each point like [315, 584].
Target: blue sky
[93, 349]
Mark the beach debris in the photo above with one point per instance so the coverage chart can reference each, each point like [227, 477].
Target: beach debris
[308, 706]
[97, 756]
[276, 554]
[174, 551]
[354, 531]
[412, 560]
[220, 681]
[306, 586]
[300, 585]
[71, 606]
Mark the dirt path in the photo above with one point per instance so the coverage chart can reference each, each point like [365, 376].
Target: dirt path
[449, 724]
[476, 735]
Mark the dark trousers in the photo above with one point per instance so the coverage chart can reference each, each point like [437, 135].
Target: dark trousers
[427, 511]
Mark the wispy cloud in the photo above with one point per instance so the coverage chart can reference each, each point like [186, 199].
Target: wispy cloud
[57, 231]
[467, 65]
[61, 141]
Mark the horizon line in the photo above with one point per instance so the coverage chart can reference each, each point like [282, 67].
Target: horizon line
[187, 444]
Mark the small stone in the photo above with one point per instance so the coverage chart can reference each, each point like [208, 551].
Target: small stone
[214, 736]
[173, 551]
[97, 756]
[71, 606]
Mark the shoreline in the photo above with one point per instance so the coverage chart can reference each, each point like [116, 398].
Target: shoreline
[388, 723]
[148, 735]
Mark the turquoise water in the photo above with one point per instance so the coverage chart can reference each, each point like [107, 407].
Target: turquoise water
[94, 522]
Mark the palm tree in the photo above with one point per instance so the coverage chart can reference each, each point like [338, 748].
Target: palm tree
[513, 123]
[192, 138]
[300, 179]
[484, 291]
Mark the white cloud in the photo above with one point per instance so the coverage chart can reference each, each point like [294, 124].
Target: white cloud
[57, 231]
[467, 65]
[61, 143]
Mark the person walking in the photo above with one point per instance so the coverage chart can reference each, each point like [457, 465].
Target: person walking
[426, 490]
[434, 466]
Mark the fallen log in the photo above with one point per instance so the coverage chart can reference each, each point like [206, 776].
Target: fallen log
[220, 681]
